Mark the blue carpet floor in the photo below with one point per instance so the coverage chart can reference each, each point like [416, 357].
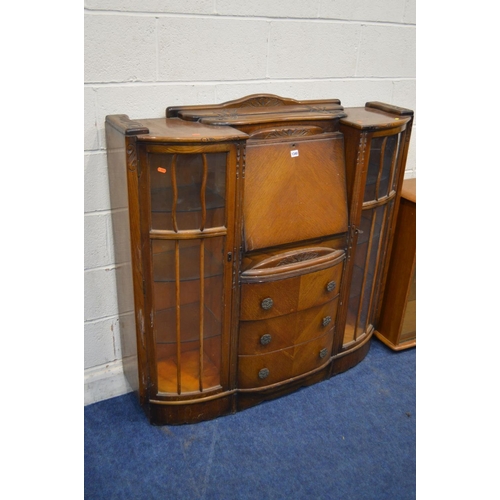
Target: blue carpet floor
[351, 437]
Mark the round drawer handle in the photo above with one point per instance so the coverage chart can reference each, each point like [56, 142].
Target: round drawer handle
[330, 286]
[267, 303]
[323, 352]
[265, 339]
[264, 373]
[326, 320]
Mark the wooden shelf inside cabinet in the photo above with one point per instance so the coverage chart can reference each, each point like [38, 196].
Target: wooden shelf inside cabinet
[186, 201]
[190, 380]
[397, 326]
[189, 265]
[190, 322]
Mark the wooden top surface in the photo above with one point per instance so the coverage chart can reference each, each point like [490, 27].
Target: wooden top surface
[259, 108]
[409, 190]
[270, 114]
[371, 118]
[180, 130]
[217, 122]
[173, 130]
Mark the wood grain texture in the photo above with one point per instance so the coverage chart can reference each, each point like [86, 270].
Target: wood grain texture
[289, 295]
[122, 167]
[397, 322]
[285, 331]
[293, 198]
[174, 130]
[254, 104]
[285, 363]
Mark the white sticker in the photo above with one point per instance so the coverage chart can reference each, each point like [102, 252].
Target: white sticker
[294, 153]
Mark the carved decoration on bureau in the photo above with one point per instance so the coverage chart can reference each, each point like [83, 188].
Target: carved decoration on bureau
[285, 132]
[263, 101]
[300, 257]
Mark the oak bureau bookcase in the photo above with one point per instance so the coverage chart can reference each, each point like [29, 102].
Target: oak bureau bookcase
[260, 232]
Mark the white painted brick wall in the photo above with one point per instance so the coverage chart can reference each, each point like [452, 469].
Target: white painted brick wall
[219, 49]
[120, 48]
[144, 55]
[313, 49]
[386, 50]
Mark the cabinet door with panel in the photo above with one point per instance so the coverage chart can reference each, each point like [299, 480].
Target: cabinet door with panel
[377, 138]
[191, 194]
[191, 213]
[184, 214]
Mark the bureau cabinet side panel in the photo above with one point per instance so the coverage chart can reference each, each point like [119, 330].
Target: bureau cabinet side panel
[123, 186]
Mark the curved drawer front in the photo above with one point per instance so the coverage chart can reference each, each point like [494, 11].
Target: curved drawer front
[260, 337]
[278, 366]
[276, 298]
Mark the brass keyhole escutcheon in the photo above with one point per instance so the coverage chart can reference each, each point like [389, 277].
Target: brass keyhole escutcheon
[264, 373]
[330, 286]
[267, 304]
[326, 320]
[265, 339]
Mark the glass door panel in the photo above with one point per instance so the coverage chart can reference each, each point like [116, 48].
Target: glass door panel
[368, 252]
[382, 167]
[188, 313]
[190, 250]
[187, 191]
[378, 202]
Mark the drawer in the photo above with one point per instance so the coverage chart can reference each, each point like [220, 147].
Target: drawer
[259, 337]
[269, 299]
[278, 366]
